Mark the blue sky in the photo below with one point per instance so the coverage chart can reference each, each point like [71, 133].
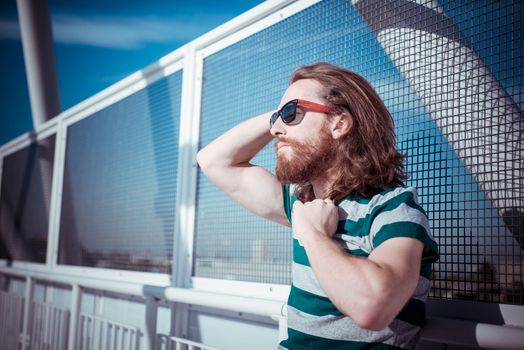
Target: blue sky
[97, 43]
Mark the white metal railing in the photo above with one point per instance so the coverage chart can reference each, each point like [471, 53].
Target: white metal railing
[49, 326]
[165, 342]
[446, 330]
[96, 333]
[90, 333]
[11, 316]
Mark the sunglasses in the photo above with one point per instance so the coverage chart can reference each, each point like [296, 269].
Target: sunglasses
[288, 112]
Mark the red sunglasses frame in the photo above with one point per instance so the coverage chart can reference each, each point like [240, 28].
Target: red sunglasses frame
[313, 106]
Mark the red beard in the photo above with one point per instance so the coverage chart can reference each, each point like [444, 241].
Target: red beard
[308, 160]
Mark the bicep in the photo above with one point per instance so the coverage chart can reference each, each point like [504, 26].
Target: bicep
[254, 188]
[400, 257]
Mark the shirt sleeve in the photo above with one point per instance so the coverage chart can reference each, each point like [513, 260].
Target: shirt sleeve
[402, 216]
[289, 198]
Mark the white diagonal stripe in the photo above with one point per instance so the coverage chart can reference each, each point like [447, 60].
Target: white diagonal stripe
[356, 242]
[354, 211]
[402, 213]
[304, 278]
[398, 333]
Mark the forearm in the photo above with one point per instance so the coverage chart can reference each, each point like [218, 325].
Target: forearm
[356, 285]
[238, 145]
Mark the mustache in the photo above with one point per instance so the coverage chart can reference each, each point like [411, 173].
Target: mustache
[289, 142]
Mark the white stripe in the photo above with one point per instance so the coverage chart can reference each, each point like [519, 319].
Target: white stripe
[298, 240]
[422, 290]
[304, 278]
[355, 242]
[354, 211]
[398, 333]
[402, 213]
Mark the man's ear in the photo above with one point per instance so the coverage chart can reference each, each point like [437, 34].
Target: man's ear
[341, 125]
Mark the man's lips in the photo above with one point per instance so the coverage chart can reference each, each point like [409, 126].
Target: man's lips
[280, 145]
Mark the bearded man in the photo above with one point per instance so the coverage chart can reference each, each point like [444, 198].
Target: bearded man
[362, 248]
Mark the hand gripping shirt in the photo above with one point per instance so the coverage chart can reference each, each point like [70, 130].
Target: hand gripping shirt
[364, 223]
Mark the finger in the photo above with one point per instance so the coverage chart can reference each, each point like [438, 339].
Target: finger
[297, 203]
[329, 201]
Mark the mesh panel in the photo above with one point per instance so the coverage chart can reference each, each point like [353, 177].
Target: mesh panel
[26, 195]
[120, 180]
[451, 76]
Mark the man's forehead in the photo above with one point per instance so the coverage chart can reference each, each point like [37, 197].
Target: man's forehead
[306, 89]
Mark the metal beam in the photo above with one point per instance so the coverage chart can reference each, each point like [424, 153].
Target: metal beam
[37, 43]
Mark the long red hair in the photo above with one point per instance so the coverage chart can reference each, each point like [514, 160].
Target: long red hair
[366, 160]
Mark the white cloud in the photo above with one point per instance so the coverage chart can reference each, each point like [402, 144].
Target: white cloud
[117, 32]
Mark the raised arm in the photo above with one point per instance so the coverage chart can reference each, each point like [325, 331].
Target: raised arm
[226, 162]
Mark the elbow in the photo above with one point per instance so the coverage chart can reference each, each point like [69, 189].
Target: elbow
[371, 315]
[210, 165]
[209, 160]
[371, 322]
[202, 159]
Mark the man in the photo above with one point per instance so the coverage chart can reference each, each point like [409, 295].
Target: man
[362, 249]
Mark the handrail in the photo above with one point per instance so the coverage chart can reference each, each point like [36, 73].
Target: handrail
[473, 334]
[250, 305]
[256, 306]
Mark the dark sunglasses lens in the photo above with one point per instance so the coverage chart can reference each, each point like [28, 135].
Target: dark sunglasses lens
[288, 112]
[273, 119]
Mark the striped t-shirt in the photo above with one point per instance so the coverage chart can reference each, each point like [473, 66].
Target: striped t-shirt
[364, 223]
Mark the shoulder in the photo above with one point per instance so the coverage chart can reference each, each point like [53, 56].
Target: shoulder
[397, 213]
[391, 213]
[357, 207]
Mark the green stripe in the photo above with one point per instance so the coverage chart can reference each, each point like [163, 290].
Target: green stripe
[365, 200]
[287, 207]
[414, 312]
[311, 303]
[408, 229]
[300, 341]
[362, 226]
[358, 252]
[299, 253]
[425, 269]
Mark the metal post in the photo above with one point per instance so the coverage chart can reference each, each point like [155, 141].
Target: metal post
[37, 43]
[75, 311]
[183, 242]
[282, 326]
[24, 337]
[151, 317]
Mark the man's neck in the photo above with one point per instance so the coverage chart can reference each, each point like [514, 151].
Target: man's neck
[321, 187]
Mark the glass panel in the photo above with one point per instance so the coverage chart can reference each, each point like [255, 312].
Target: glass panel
[25, 199]
[451, 76]
[120, 177]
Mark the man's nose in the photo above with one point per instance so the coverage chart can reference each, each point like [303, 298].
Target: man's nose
[278, 128]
